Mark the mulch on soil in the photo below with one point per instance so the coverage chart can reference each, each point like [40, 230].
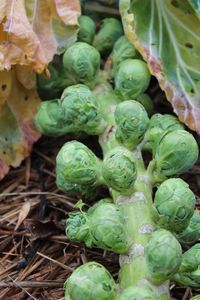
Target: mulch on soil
[35, 255]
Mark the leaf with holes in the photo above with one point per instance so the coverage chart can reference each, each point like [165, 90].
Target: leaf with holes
[31, 32]
[18, 103]
[167, 34]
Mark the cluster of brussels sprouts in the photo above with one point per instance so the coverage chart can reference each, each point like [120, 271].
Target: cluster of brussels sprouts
[113, 105]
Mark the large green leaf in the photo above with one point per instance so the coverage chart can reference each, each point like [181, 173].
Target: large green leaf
[167, 34]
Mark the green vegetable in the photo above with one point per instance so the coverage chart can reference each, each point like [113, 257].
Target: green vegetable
[102, 226]
[132, 78]
[176, 152]
[119, 170]
[123, 49]
[87, 29]
[174, 205]
[163, 256]
[147, 102]
[197, 297]
[189, 271]
[132, 122]
[110, 30]
[138, 293]
[192, 233]
[90, 282]
[81, 62]
[80, 110]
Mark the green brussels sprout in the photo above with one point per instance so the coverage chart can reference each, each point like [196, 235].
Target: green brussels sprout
[197, 297]
[158, 126]
[110, 30]
[132, 122]
[103, 226]
[192, 233]
[138, 293]
[80, 110]
[189, 271]
[163, 256]
[49, 118]
[77, 164]
[177, 151]
[90, 281]
[174, 205]
[123, 49]
[87, 29]
[81, 62]
[132, 78]
[119, 170]
[147, 102]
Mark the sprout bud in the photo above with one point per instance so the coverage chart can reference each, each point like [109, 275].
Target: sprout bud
[176, 152]
[163, 256]
[138, 293]
[147, 102]
[103, 226]
[81, 62]
[192, 233]
[197, 297]
[80, 110]
[132, 78]
[119, 170]
[90, 281]
[132, 122]
[87, 29]
[174, 205]
[110, 30]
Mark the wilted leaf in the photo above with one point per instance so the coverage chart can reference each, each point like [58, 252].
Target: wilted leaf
[23, 213]
[28, 35]
[17, 108]
[167, 34]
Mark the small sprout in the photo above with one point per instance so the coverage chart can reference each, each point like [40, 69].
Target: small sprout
[192, 233]
[110, 30]
[147, 102]
[174, 205]
[177, 151]
[49, 118]
[163, 256]
[90, 281]
[77, 165]
[123, 49]
[138, 293]
[132, 122]
[102, 226]
[189, 271]
[119, 170]
[159, 125]
[81, 62]
[87, 29]
[132, 78]
[80, 110]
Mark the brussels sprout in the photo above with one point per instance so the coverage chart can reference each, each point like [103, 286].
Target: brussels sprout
[87, 29]
[192, 233]
[90, 281]
[132, 78]
[81, 62]
[110, 30]
[103, 226]
[77, 164]
[158, 125]
[176, 152]
[132, 122]
[49, 119]
[138, 293]
[123, 49]
[174, 205]
[80, 110]
[119, 170]
[147, 102]
[163, 256]
[197, 297]
[189, 272]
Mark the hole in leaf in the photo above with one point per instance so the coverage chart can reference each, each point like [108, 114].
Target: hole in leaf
[4, 152]
[189, 45]
[192, 91]
[3, 87]
[175, 3]
[26, 98]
